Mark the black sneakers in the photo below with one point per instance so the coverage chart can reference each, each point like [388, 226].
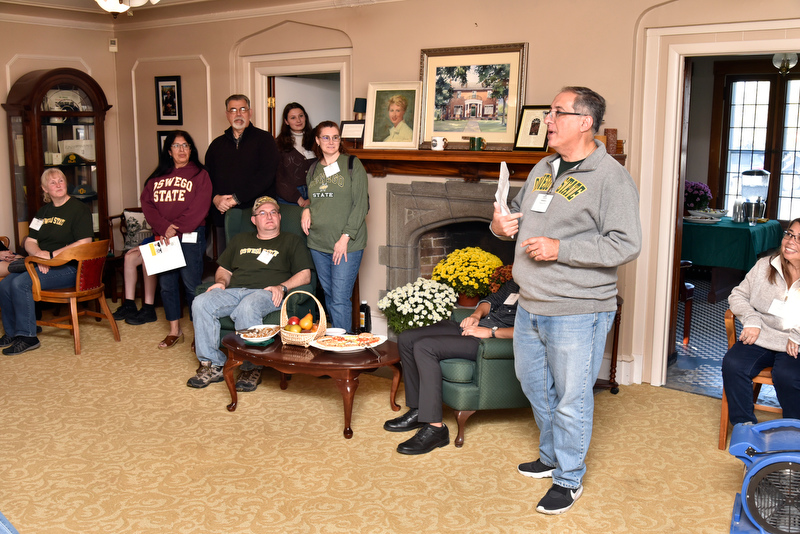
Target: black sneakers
[536, 469]
[558, 499]
[6, 341]
[22, 344]
[127, 309]
[146, 315]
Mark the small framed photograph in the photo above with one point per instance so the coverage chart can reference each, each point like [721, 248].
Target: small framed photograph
[161, 137]
[168, 100]
[393, 115]
[353, 133]
[531, 129]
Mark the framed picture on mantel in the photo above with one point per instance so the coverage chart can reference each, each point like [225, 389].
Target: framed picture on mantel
[531, 129]
[473, 91]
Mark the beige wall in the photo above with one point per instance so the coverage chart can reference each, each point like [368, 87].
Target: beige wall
[598, 44]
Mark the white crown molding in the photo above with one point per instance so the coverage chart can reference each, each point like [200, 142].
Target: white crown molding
[123, 24]
[55, 22]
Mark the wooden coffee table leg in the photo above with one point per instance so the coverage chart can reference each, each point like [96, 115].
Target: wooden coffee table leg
[227, 373]
[348, 387]
[395, 386]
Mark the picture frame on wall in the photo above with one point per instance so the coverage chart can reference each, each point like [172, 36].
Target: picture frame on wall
[161, 137]
[393, 115]
[169, 105]
[473, 90]
[531, 129]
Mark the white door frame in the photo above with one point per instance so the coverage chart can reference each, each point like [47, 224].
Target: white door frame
[657, 104]
[256, 69]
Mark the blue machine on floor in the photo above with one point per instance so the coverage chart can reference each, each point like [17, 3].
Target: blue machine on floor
[6, 527]
[770, 497]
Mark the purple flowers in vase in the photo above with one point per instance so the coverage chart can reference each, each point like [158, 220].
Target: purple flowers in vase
[696, 196]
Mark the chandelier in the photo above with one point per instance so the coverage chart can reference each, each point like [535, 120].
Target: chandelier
[121, 6]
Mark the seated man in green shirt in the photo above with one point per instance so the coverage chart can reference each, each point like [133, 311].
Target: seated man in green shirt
[255, 273]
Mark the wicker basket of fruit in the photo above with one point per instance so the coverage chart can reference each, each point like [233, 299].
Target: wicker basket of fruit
[301, 331]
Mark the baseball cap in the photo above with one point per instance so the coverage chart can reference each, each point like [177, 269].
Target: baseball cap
[260, 201]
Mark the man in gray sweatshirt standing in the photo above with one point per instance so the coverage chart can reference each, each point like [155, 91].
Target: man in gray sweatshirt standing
[576, 220]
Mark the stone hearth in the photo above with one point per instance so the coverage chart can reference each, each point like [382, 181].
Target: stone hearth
[416, 208]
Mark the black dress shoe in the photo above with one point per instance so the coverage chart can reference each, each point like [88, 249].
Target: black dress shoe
[404, 423]
[428, 438]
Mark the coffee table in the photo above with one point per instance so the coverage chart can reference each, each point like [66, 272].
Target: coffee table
[343, 367]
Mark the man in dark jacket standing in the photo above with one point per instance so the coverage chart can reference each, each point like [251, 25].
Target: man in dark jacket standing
[242, 163]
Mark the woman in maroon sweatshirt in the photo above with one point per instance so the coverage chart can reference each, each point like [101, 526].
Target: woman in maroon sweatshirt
[175, 202]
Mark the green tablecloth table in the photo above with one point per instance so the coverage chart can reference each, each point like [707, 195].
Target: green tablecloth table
[728, 245]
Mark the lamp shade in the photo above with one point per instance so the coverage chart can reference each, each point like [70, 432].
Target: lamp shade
[113, 6]
[360, 106]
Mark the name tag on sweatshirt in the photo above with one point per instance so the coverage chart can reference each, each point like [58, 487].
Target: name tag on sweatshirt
[331, 169]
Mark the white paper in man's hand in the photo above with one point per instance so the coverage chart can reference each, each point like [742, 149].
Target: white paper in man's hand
[501, 195]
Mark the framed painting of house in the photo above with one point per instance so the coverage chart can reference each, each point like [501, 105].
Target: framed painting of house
[473, 90]
[393, 115]
[531, 129]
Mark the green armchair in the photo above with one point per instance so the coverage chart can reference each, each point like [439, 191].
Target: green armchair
[238, 220]
[488, 383]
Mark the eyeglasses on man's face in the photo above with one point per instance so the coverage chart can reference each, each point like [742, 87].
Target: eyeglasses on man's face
[789, 235]
[270, 214]
[242, 110]
[328, 138]
[180, 146]
[555, 113]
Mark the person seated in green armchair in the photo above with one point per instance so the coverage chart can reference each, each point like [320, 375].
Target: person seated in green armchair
[255, 273]
[421, 350]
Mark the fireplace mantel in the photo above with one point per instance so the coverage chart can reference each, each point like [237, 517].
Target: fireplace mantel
[469, 165]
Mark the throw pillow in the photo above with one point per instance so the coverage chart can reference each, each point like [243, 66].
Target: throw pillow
[138, 229]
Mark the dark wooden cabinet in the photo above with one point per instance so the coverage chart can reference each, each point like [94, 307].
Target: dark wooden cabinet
[56, 119]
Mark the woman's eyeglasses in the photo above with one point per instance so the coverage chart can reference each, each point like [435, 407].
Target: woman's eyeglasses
[178, 146]
[328, 138]
[793, 237]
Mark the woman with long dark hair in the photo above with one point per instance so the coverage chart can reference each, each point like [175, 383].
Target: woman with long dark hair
[175, 201]
[296, 148]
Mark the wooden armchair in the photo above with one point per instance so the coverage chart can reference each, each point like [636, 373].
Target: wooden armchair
[91, 258]
[764, 377]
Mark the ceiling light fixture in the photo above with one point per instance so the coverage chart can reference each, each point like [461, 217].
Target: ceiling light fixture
[115, 7]
[784, 62]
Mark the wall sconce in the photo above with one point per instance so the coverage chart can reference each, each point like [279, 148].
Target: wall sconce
[784, 62]
[360, 108]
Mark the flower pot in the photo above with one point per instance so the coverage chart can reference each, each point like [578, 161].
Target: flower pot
[466, 301]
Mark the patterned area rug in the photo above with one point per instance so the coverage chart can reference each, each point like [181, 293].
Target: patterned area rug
[698, 367]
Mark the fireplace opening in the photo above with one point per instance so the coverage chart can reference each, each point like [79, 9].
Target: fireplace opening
[436, 244]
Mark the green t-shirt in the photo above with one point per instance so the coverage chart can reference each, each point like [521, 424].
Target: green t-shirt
[62, 225]
[289, 256]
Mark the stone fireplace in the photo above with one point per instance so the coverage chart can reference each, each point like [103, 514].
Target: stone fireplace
[437, 212]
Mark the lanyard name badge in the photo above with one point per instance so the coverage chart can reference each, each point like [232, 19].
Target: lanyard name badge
[331, 169]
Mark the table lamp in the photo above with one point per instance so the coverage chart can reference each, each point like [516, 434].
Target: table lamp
[360, 108]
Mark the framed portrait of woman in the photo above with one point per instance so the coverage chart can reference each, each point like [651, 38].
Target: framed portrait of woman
[393, 115]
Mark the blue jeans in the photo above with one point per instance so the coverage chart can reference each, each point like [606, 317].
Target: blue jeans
[302, 189]
[337, 282]
[191, 276]
[16, 298]
[246, 307]
[741, 363]
[557, 360]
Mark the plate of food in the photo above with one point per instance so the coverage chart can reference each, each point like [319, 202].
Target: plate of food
[259, 333]
[348, 343]
[701, 220]
[709, 212]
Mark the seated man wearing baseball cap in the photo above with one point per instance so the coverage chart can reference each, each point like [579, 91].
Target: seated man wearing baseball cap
[255, 273]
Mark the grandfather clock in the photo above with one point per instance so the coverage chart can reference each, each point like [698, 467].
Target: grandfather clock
[56, 119]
